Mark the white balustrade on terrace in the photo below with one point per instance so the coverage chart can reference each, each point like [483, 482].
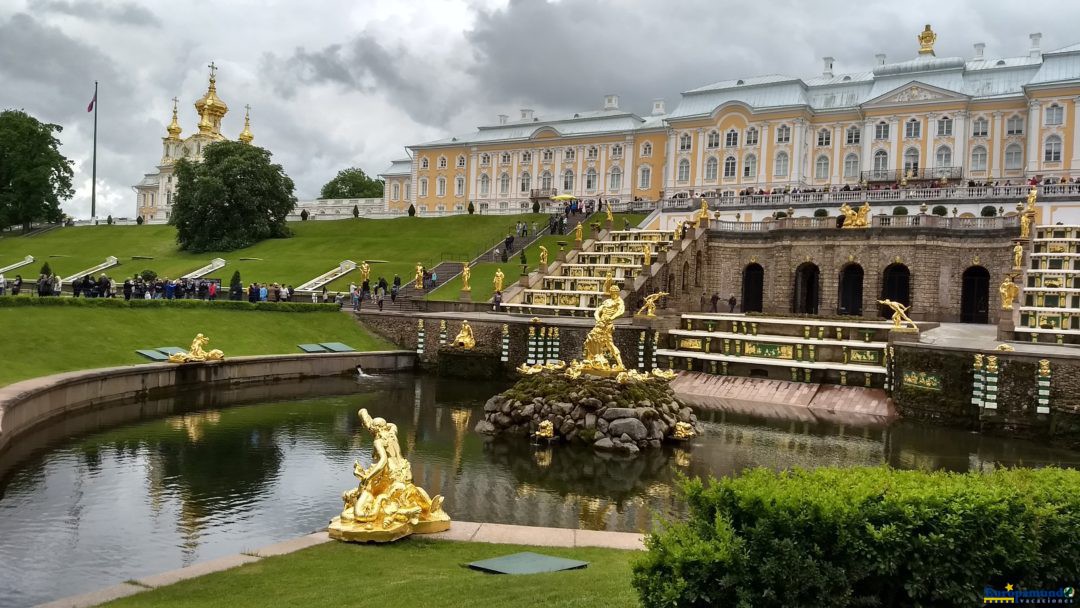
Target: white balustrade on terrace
[214, 264]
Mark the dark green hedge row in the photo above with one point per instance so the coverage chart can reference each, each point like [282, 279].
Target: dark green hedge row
[13, 302]
[865, 537]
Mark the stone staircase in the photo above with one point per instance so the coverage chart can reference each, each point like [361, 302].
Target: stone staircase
[575, 286]
[1049, 308]
[804, 350]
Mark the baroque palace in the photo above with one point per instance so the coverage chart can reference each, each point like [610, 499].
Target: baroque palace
[155, 193]
[926, 119]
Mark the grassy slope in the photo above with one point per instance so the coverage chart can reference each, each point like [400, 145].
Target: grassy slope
[57, 339]
[483, 273]
[413, 572]
[317, 246]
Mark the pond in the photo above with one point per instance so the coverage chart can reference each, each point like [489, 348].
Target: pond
[200, 480]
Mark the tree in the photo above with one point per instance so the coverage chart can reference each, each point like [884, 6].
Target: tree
[148, 275]
[303, 215]
[352, 183]
[412, 210]
[108, 220]
[236, 287]
[472, 208]
[234, 198]
[536, 207]
[356, 211]
[34, 175]
[46, 269]
[139, 220]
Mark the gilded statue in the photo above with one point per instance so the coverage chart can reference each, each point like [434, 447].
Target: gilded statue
[856, 218]
[1025, 225]
[678, 231]
[899, 316]
[419, 278]
[1008, 290]
[1032, 195]
[601, 354]
[647, 250]
[498, 280]
[196, 353]
[365, 270]
[543, 255]
[546, 430]
[649, 308]
[385, 505]
[684, 431]
[465, 338]
[466, 273]
[610, 217]
[1044, 368]
[1018, 255]
[577, 232]
[926, 39]
[702, 217]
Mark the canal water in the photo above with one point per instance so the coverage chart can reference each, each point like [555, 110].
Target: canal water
[200, 480]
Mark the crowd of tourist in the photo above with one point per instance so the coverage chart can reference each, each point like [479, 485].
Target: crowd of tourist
[382, 289]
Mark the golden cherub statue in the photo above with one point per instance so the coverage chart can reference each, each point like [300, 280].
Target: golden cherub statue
[649, 308]
[577, 232]
[926, 39]
[385, 505]
[1018, 255]
[498, 280]
[899, 316]
[543, 255]
[1008, 290]
[647, 250]
[196, 353]
[419, 278]
[466, 273]
[365, 270]
[465, 339]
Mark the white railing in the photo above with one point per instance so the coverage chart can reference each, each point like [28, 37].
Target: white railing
[877, 221]
[23, 262]
[345, 267]
[108, 263]
[205, 270]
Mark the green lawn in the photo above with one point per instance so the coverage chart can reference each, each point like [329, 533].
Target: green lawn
[53, 339]
[484, 272]
[412, 572]
[316, 247]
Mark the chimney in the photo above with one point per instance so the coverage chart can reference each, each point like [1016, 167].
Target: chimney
[503, 118]
[826, 69]
[611, 102]
[879, 59]
[658, 107]
[1035, 51]
[526, 114]
[979, 48]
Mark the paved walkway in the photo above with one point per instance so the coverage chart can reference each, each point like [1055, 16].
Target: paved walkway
[459, 531]
[984, 338]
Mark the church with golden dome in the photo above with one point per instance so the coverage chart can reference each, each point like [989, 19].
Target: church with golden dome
[156, 193]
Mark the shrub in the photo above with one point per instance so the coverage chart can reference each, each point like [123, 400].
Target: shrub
[46, 269]
[472, 208]
[899, 211]
[940, 210]
[139, 220]
[236, 286]
[14, 302]
[108, 220]
[821, 213]
[988, 211]
[780, 215]
[148, 275]
[356, 211]
[304, 215]
[864, 537]
[412, 210]
[536, 207]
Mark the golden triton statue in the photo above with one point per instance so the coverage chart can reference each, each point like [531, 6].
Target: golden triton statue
[466, 273]
[498, 280]
[926, 39]
[856, 218]
[365, 270]
[543, 255]
[899, 316]
[602, 357]
[1008, 290]
[385, 505]
[649, 309]
[1025, 225]
[610, 217]
[465, 339]
[577, 232]
[196, 353]
[647, 250]
[1018, 255]
[419, 278]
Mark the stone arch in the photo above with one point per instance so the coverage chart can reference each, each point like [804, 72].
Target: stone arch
[895, 286]
[806, 294]
[699, 270]
[686, 278]
[753, 288]
[850, 296]
[975, 295]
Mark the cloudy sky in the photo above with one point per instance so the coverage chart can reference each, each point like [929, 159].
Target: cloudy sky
[339, 83]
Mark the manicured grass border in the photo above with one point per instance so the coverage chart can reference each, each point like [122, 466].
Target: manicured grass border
[20, 302]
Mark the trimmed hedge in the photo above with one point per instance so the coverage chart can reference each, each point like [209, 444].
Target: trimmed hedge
[864, 537]
[18, 301]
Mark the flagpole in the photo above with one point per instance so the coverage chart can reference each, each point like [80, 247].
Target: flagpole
[93, 175]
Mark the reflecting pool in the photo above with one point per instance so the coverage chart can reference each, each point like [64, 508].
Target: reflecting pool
[200, 480]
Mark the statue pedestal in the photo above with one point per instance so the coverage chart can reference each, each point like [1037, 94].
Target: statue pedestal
[523, 280]
[609, 225]
[465, 295]
[561, 255]
[903, 334]
[355, 532]
[544, 268]
[1006, 328]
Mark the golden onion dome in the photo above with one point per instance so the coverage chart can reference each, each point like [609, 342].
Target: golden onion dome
[245, 135]
[210, 103]
[174, 127]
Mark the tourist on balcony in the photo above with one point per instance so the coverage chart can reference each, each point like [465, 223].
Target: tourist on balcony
[731, 302]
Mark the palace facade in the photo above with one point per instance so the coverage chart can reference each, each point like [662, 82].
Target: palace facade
[927, 119]
[154, 195]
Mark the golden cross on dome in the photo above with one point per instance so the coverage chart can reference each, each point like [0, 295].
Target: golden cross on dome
[213, 69]
[174, 102]
[247, 106]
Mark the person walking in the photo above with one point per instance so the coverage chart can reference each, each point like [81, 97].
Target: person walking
[715, 301]
[703, 302]
[211, 291]
[731, 303]
[16, 287]
[379, 297]
[496, 301]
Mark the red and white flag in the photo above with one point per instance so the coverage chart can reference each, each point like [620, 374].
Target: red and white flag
[90, 108]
